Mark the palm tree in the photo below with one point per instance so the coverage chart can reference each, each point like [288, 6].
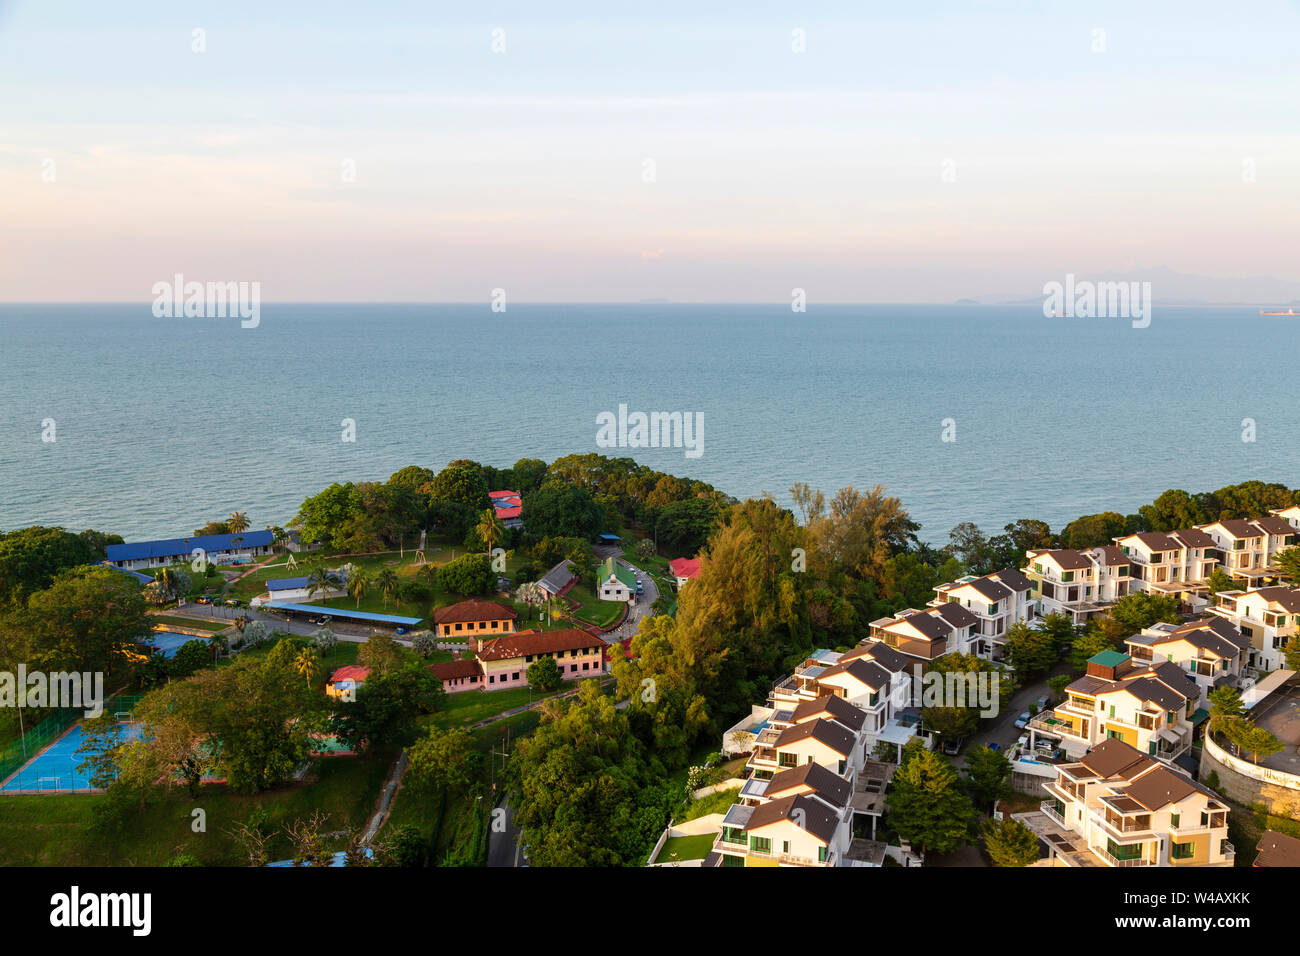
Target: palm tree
[237, 522]
[278, 536]
[167, 579]
[306, 665]
[319, 580]
[388, 583]
[358, 585]
[490, 530]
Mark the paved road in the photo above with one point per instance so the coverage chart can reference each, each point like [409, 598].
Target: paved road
[1002, 729]
[278, 622]
[1279, 714]
[642, 607]
[504, 847]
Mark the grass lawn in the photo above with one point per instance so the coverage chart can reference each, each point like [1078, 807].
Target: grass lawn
[717, 802]
[471, 706]
[59, 831]
[686, 848]
[592, 609]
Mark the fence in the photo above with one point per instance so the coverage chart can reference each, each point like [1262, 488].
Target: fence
[52, 727]
[29, 744]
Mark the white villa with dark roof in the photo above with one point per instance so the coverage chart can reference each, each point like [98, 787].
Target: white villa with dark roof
[809, 776]
[1266, 617]
[1152, 708]
[1176, 564]
[1212, 652]
[1118, 807]
[1242, 548]
[929, 633]
[1290, 515]
[1080, 584]
[998, 601]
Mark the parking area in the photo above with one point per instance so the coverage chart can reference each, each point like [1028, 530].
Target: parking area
[1279, 714]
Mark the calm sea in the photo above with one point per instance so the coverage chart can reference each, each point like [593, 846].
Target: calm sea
[163, 424]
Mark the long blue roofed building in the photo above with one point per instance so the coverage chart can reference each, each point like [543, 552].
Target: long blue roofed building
[216, 548]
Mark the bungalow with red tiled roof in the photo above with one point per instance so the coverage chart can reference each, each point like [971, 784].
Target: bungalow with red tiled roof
[343, 683]
[684, 569]
[457, 676]
[505, 659]
[469, 619]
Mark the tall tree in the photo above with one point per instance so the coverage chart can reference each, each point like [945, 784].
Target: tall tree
[927, 806]
[1010, 843]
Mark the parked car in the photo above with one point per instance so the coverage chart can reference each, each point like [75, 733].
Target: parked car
[401, 630]
[234, 602]
[1040, 705]
[1022, 721]
[995, 746]
[952, 746]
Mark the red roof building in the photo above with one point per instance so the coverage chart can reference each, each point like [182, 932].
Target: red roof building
[509, 507]
[473, 617]
[683, 569]
[505, 659]
[345, 681]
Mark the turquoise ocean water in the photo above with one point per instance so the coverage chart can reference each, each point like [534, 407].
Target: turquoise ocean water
[163, 424]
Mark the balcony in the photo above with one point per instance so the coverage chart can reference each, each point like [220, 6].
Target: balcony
[1048, 723]
[792, 859]
[1105, 854]
[1049, 809]
[1125, 826]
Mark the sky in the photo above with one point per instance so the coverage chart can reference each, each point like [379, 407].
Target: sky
[913, 152]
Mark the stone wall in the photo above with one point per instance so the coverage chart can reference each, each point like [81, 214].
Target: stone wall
[1245, 783]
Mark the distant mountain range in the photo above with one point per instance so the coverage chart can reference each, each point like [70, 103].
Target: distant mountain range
[1175, 288]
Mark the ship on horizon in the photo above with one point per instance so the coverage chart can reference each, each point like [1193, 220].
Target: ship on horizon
[1290, 311]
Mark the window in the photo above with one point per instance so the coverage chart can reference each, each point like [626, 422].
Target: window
[728, 860]
[1128, 851]
[1182, 851]
[821, 854]
[1173, 820]
[788, 760]
[760, 844]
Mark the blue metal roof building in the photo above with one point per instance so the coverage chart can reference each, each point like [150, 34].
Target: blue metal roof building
[285, 584]
[183, 547]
